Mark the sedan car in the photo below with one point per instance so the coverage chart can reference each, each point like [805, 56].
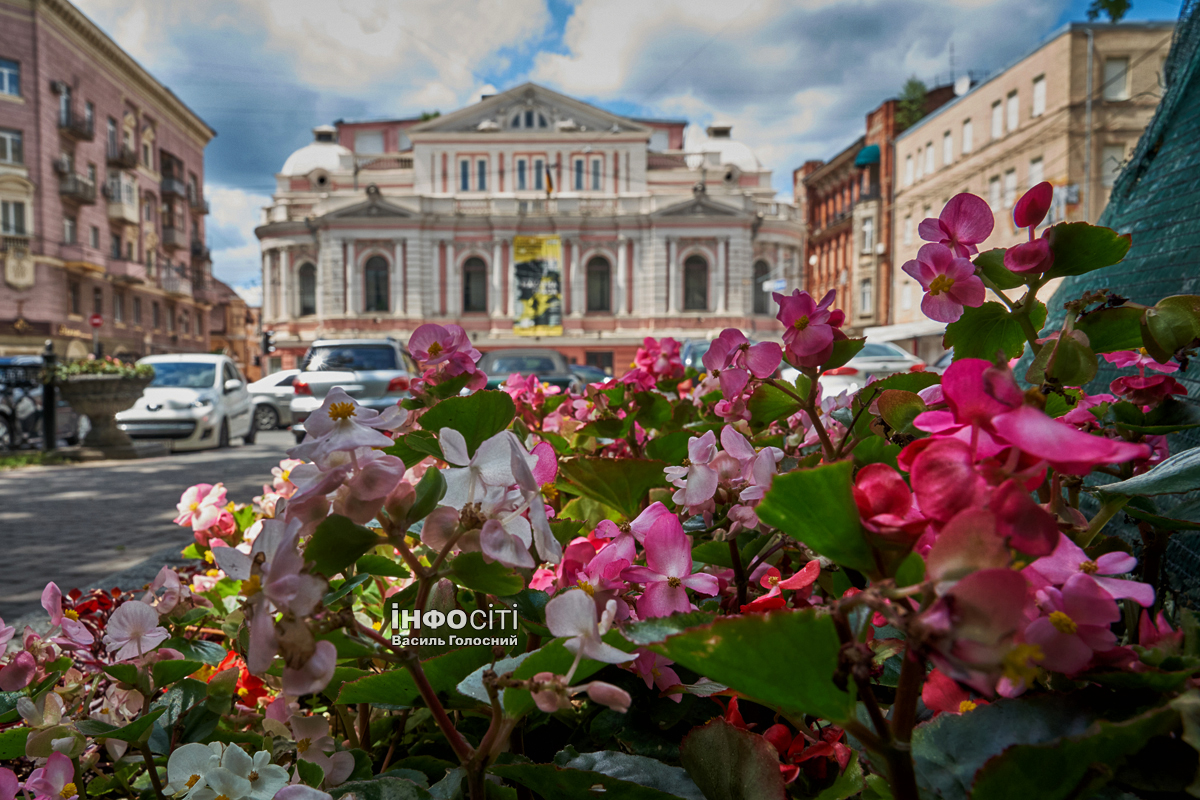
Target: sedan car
[375, 372]
[550, 366]
[272, 398]
[875, 360]
[195, 401]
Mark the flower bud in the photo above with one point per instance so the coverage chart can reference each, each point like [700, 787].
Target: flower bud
[606, 694]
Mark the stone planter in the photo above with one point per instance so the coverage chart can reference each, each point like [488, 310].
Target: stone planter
[100, 397]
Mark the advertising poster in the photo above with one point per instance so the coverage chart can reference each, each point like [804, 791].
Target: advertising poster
[538, 264]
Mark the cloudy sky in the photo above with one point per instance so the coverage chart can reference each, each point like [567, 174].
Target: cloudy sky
[794, 78]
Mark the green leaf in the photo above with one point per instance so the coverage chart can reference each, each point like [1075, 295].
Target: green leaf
[589, 512]
[1112, 329]
[876, 450]
[795, 656]
[553, 657]
[477, 417]
[843, 351]
[135, 731]
[565, 530]
[192, 551]
[671, 448]
[1179, 473]
[729, 763]
[991, 264]
[412, 448]
[639, 770]
[1170, 416]
[381, 788]
[1079, 247]
[337, 543]
[621, 483]
[396, 687]
[654, 410]
[167, 672]
[768, 404]
[1071, 362]
[244, 517]
[816, 506]
[982, 332]
[430, 491]
[899, 408]
[904, 381]
[1172, 324]
[848, 784]
[311, 773]
[549, 780]
[12, 743]
[201, 650]
[344, 588]
[125, 673]
[380, 565]
[659, 629]
[471, 571]
[609, 428]
[911, 571]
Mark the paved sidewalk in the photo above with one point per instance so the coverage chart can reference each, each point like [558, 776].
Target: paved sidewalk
[80, 525]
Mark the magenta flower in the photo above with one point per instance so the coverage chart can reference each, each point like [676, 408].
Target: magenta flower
[1149, 390]
[1068, 559]
[1032, 256]
[644, 522]
[964, 222]
[75, 633]
[1076, 624]
[200, 506]
[9, 785]
[950, 282]
[807, 326]
[18, 673]
[656, 671]
[668, 572]
[55, 780]
[659, 357]
[945, 480]
[432, 344]
[1033, 206]
[1142, 360]
[885, 503]
[974, 392]
[733, 360]
[1063, 446]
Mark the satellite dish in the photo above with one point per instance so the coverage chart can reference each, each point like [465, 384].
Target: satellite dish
[962, 85]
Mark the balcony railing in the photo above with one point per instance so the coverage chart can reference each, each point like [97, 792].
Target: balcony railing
[197, 203]
[77, 188]
[382, 161]
[173, 186]
[14, 241]
[473, 207]
[665, 161]
[537, 208]
[173, 238]
[76, 127]
[174, 283]
[122, 157]
[597, 207]
[199, 251]
[126, 271]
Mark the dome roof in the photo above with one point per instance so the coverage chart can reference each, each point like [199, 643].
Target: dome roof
[324, 153]
[728, 150]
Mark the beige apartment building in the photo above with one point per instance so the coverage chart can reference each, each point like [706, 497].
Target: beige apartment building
[1069, 113]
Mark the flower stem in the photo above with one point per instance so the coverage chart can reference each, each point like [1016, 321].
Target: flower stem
[461, 749]
[739, 573]
[154, 779]
[809, 406]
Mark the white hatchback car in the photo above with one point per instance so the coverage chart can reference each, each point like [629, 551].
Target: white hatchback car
[195, 401]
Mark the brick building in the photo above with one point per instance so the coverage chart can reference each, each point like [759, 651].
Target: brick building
[378, 227]
[101, 192]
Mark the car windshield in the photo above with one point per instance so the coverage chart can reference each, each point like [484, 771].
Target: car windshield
[524, 364]
[185, 374]
[873, 350]
[356, 358]
[695, 354]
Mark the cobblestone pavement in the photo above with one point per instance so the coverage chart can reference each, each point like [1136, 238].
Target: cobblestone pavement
[80, 525]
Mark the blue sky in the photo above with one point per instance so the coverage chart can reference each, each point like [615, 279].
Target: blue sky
[795, 79]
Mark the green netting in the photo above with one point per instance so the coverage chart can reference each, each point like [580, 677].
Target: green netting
[1157, 199]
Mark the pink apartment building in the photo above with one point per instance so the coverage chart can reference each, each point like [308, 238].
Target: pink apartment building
[101, 194]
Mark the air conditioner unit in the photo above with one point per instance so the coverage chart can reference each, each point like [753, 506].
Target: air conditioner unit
[62, 165]
[58, 87]
[880, 248]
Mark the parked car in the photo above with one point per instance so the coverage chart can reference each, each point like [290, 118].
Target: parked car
[942, 363]
[195, 400]
[21, 406]
[272, 398]
[875, 360]
[375, 372]
[692, 351]
[550, 366]
[587, 374]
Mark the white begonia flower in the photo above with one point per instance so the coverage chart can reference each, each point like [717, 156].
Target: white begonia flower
[236, 564]
[573, 614]
[265, 778]
[222, 783]
[547, 546]
[341, 425]
[490, 466]
[133, 630]
[187, 767]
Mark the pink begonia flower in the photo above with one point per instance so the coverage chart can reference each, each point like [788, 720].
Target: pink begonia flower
[965, 222]
[807, 326]
[554, 694]
[1021, 522]
[1149, 390]
[944, 479]
[1066, 449]
[668, 572]
[315, 674]
[281, 483]
[1068, 559]
[1158, 633]
[298, 791]
[1080, 415]
[572, 614]
[498, 544]
[1033, 206]
[1140, 359]
[546, 468]
[55, 780]
[9, 785]
[548, 548]
[174, 592]
[656, 671]
[1077, 623]
[772, 580]
[1032, 256]
[200, 506]
[734, 360]
[698, 482]
[133, 630]
[75, 633]
[949, 282]
[885, 503]
[362, 496]
[432, 344]
[644, 522]
[314, 744]
[602, 575]
[341, 425]
[659, 358]
[18, 672]
[942, 695]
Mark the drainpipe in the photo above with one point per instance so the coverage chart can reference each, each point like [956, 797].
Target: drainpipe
[1087, 132]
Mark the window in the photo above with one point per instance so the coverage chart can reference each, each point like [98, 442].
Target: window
[539, 174]
[115, 249]
[947, 149]
[89, 115]
[11, 151]
[94, 237]
[521, 178]
[1111, 161]
[579, 174]
[186, 323]
[137, 311]
[1039, 96]
[599, 284]
[199, 323]
[170, 319]
[968, 136]
[595, 174]
[695, 284]
[997, 120]
[118, 307]
[865, 302]
[994, 192]
[929, 158]
[91, 174]
[1014, 112]
[908, 229]
[600, 360]
[1010, 188]
[906, 296]
[308, 290]
[97, 300]
[464, 176]
[762, 273]
[12, 218]
[69, 227]
[868, 235]
[1116, 79]
[481, 175]
[148, 208]
[375, 279]
[528, 119]
[73, 298]
[908, 170]
[368, 142]
[920, 163]
[113, 142]
[64, 105]
[474, 286]
[1037, 172]
[10, 77]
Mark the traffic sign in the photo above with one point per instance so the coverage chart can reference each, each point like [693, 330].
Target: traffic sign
[95, 320]
[776, 285]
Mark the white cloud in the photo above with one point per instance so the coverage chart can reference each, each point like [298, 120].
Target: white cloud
[234, 216]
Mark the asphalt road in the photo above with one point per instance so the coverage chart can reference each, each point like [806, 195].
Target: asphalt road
[80, 525]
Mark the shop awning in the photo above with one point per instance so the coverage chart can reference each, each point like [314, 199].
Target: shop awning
[867, 156]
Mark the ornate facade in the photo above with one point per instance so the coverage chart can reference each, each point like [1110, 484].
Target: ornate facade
[376, 228]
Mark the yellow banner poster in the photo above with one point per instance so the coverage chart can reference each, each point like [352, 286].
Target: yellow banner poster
[537, 261]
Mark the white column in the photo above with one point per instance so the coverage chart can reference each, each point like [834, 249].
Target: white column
[496, 285]
[396, 285]
[636, 256]
[578, 289]
[268, 284]
[453, 292]
[510, 309]
[676, 276]
[354, 287]
[619, 283]
[719, 278]
[285, 311]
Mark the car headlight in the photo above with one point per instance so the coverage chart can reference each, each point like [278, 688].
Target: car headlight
[203, 403]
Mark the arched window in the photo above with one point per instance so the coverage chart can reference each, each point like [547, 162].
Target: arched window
[762, 297]
[599, 284]
[308, 290]
[375, 284]
[695, 284]
[474, 285]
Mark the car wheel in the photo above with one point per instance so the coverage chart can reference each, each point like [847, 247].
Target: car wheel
[6, 433]
[266, 418]
[253, 432]
[223, 436]
[299, 436]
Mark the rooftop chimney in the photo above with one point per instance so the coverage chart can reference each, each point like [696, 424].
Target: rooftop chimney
[718, 131]
[325, 133]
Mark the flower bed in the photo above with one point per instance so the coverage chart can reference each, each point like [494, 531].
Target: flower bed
[679, 584]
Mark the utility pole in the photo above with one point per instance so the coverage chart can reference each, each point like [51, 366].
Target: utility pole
[1087, 132]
